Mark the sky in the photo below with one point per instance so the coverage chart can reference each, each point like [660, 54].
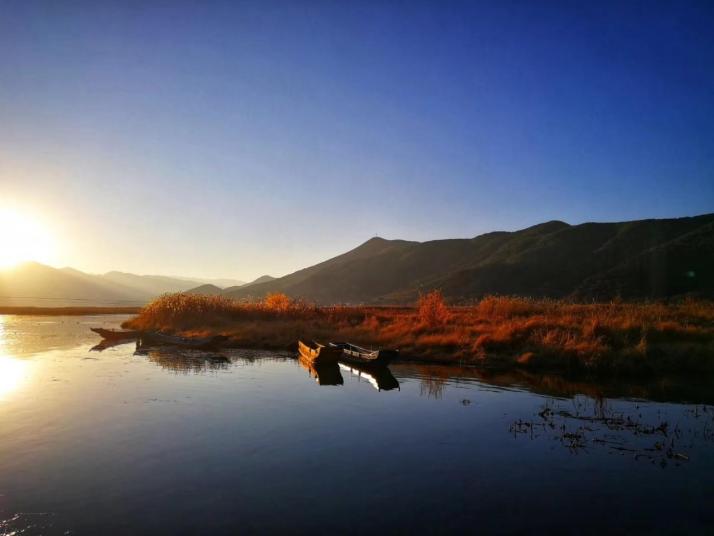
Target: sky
[242, 138]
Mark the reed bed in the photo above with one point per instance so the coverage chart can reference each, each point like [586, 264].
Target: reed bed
[613, 337]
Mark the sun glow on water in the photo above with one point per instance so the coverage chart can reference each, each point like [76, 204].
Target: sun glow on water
[13, 371]
[23, 238]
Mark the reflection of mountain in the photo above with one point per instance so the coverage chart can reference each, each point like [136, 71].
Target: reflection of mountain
[381, 378]
[183, 360]
[324, 373]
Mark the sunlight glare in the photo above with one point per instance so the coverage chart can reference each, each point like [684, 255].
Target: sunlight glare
[23, 238]
[13, 372]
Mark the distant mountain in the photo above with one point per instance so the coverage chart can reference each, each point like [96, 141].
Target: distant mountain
[34, 284]
[261, 279]
[206, 290]
[222, 283]
[637, 259]
[151, 284]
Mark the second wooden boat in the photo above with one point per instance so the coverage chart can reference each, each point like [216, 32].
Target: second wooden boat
[318, 353]
[351, 353]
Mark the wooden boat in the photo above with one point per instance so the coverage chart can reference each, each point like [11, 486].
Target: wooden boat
[315, 352]
[351, 353]
[149, 338]
[324, 373]
[115, 334]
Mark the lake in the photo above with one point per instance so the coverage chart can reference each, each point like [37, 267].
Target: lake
[180, 442]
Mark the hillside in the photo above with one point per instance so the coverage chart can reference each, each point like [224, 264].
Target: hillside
[261, 279]
[150, 284]
[34, 284]
[206, 290]
[637, 259]
[39, 285]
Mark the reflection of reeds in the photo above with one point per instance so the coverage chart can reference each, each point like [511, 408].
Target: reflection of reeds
[666, 388]
[580, 428]
[432, 387]
[537, 334]
[186, 361]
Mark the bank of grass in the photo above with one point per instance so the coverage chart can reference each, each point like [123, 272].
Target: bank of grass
[636, 338]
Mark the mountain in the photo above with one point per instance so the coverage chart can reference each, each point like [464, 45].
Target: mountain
[222, 283]
[150, 284]
[34, 284]
[636, 259]
[206, 290]
[261, 279]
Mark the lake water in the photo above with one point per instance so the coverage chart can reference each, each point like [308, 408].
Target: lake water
[168, 442]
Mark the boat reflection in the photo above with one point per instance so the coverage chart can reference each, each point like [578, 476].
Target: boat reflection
[183, 360]
[324, 373]
[107, 343]
[381, 378]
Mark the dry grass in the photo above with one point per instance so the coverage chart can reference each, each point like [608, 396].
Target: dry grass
[498, 331]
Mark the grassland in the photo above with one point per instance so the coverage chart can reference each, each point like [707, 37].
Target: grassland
[504, 332]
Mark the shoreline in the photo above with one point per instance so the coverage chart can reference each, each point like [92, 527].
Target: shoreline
[500, 333]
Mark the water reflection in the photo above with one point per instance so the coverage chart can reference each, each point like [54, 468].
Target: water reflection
[434, 381]
[27, 335]
[584, 424]
[324, 373]
[105, 344]
[183, 360]
[226, 450]
[381, 378]
[13, 371]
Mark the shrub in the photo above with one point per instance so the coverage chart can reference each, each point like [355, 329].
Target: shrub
[432, 310]
[278, 302]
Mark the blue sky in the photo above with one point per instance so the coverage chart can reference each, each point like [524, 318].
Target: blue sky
[242, 138]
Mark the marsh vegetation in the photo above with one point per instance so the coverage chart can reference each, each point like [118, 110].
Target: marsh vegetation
[544, 334]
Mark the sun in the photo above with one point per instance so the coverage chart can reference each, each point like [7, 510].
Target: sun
[23, 238]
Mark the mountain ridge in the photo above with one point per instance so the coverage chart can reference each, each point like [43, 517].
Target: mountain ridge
[35, 284]
[554, 259]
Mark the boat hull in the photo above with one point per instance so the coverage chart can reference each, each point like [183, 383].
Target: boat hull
[355, 355]
[317, 353]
